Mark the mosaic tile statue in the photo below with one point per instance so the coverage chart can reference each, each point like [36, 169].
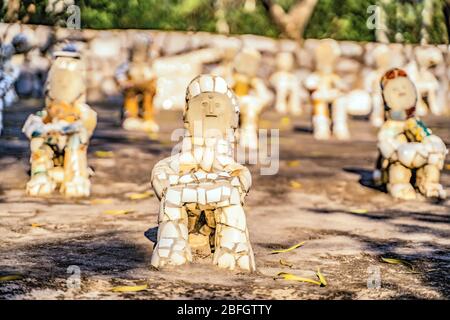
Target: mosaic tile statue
[60, 133]
[411, 156]
[202, 188]
[138, 82]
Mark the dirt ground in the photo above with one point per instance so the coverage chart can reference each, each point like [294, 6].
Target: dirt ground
[346, 223]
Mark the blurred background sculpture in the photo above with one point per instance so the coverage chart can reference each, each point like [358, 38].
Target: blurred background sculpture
[9, 72]
[286, 85]
[60, 133]
[252, 93]
[426, 82]
[138, 81]
[408, 149]
[326, 94]
[202, 188]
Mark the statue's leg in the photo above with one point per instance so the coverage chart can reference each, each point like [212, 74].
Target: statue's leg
[232, 244]
[427, 181]
[339, 113]
[321, 120]
[131, 106]
[76, 175]
[281, 98]
[172, 247]
[41, 160]
[294, 102]
[150, 124]
[399, 185]
[377, 115]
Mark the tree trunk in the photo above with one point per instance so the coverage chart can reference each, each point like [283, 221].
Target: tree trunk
[294, 22]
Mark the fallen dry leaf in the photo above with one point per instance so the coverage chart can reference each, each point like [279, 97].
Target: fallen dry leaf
[398, 261]
[104, 154]
[298, 245]
[116, 212]
[285, 263]
[359, 211]
[139, 196]
[37, 225]
[295, 184]
[322, 279]
[129, 288]
[293, 163]
[101, 201]
[11, 277]
[292, 277]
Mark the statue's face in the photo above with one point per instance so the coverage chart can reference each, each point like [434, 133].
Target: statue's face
[399, 95]
[210, 114]
[66, 81]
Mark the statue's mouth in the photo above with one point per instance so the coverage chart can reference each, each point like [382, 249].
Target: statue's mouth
[211, 116]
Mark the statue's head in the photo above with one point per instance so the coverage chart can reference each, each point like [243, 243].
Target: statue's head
[399, 95]
[285, 61]
[66, 81]
[326, 53]
[247, 62]
[140, 49]
[211, 107]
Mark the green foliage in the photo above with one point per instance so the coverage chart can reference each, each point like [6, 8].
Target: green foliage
[338, 19]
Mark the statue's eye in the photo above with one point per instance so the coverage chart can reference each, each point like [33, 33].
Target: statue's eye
[217, 105]
[205, 104]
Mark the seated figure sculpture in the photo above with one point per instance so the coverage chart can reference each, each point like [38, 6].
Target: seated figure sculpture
[327, 93]
[286, 85]
[411, 157]
[60, 133]
[252, 93]
[138, 81]
[202, 188]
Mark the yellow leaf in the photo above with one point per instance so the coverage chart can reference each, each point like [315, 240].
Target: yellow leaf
[285, 263]
[139, 196]
[11, 277]
[295, 184]
[359, 211]
[101, 201]
[36, 225]
[104, 154]
[285, 121]
[130, 288]
[293, 163]
[447, 166]
[291, 277]
[298, 245]
[322, 279]
[398, 261]
[117, 212]
[153, 135]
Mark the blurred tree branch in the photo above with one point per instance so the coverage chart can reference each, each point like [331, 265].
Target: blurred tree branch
[294, 22]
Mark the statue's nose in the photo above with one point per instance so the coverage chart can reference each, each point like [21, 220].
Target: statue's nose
[211, 109]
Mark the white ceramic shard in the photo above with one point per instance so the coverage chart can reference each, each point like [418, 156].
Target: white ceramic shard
[187, 158]
[173, 213]
[163, 252]
[198, 154]
[169, 230]
[165, 243]
[235, 197]
[213, 195]
[226, 260]
[220, 85]
[189, 195]
[235, 217]
[173, 179]
[201, 196]
[173, 196]
[194, 89]
[206, 83]
[244, 262]
[201, 175]
[212, 176]
[187, 178]
[235, 182]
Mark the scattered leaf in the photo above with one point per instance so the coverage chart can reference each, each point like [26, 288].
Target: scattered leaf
[37, 225]
[130, 288]
[292, 277]
[447, 166]
[104, 154]
[322, 279]
[285, 121]
[293, 163]
[139, 196]
[359, 211]
[11, 277]
[285, 263]
[101, 201]
[117, 212]
[398, 261]
[295, 184]
[298, 245]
